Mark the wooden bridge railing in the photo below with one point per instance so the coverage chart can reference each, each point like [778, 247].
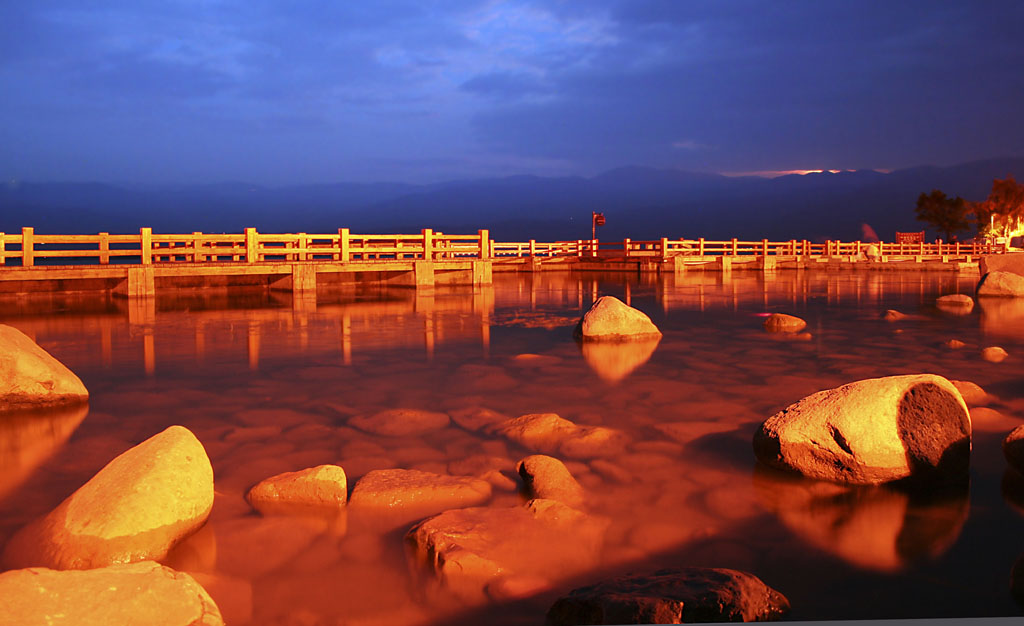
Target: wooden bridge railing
[665, 247]
[148, 247]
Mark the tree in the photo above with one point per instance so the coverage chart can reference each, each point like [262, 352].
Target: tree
[948, 215]
[1003, 211]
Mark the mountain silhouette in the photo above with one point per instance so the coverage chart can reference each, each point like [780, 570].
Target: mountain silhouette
[638, 202]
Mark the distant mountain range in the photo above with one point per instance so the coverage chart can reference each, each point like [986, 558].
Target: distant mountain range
[638, 202]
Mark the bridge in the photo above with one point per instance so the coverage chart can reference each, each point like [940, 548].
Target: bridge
[135, 265]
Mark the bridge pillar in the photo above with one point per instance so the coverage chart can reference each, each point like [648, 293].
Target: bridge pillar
[303, 278]
[139, 283]
[767, 263]
[678, 265]
[725, 263]
[482, 273]
[423, 272]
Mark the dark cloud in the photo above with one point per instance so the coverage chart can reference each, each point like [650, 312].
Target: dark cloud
[525, 86]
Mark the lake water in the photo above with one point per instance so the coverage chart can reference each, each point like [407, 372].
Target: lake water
[269, 385]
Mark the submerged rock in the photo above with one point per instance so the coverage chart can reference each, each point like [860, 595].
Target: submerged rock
[1004, 284]
[547, 477]
[972, 393]
[892, 315]
[476, 552]
[137, 593]
[955, 344]
[550, 433]
[956, 303]
[610, 319]
[872, 431]
[136, 508]
[402, 495]
[324, 485]
[400, 422]
[782, 323]
[671, 596]
[30, 376]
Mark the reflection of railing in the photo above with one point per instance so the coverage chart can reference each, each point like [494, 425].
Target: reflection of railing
[148, 247]
[665, 247]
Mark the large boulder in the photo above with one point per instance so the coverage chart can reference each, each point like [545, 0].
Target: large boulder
[29, 376]
[610, 319]
[137, 593]
[136, 508]
[1012, 262]
[1004, 284]
[671, 596]
[485, 551]
[872, 431]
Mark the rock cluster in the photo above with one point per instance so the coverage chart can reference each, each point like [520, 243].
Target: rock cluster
[610, 319]
[872, 431]
[30, 376]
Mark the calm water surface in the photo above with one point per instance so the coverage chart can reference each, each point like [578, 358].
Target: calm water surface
[268, 386]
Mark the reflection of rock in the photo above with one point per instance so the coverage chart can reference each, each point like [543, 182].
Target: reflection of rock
[955, 303]
[139, 593]
[613, 361]
[872, 431]
[30, 376]
[136, 508]
[671, 596]
[610, 319]
[1002, 316]
[876, 528]
[471, 552]
[29, 437]
[1001, 284]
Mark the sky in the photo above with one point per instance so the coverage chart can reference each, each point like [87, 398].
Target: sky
[263, 91]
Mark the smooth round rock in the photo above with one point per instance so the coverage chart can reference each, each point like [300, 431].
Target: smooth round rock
[872, 431]
[324, 485]
[136, 508]
[547, 477]
[137, 593]
[994, 354]
[610, 319]
[671, 596]
[782, 323]
[30, 376]
[955, 300]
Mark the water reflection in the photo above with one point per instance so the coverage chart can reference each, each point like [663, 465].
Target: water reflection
[878, 528]
[614, 360]
[28, 438]
[1002, 316]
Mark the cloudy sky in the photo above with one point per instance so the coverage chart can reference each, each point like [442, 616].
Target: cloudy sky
[297, 92]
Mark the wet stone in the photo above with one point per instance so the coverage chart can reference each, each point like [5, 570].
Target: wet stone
[994, 354]
[407, 494]
[30, 376]
[547, 477]
[324, 485]
[671, 596]
[782, 323]
[474, 418]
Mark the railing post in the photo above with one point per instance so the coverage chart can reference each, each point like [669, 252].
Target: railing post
[764, 247]
[27, 246]
[3, 250]
[533, 248]
[301, 244]
[428, 243]
[486, 245]
[343, 245]
[251, 245]
[146, 245]
[803, 248]
[197, 247]
[735, 247]
[104, 248]
[700, 246]
[664, 247]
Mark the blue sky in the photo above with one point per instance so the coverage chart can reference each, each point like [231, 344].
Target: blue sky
[304, 92]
